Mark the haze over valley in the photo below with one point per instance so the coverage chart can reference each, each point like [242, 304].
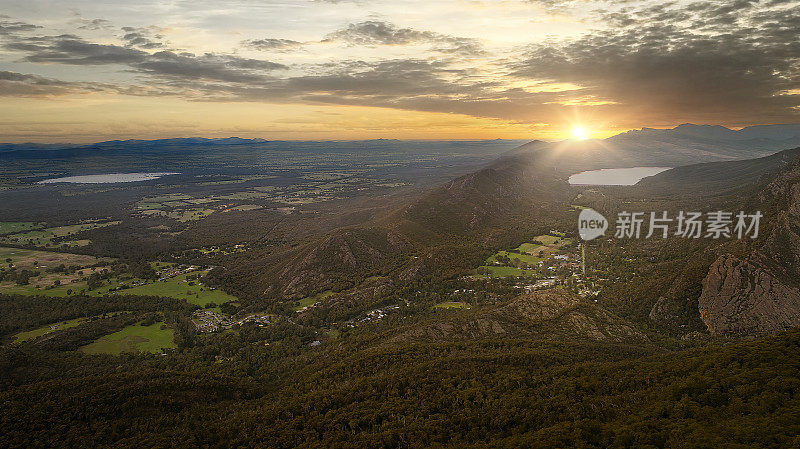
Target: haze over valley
[421, 224]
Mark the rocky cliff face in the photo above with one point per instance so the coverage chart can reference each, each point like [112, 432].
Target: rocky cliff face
[742, 298]
[760, 293]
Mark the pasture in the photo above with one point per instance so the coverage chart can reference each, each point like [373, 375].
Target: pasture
[136, 338]
[44, 330]
[45, 237]
[179, 287]
[311, 300]
[529, 253]
[13, 227]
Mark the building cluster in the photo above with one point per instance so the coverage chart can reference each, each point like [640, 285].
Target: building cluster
[209, 321]
[373, 315]
[175, 270]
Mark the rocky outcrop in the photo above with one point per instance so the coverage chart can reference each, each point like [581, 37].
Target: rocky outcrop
[741, 298]
[760, 294]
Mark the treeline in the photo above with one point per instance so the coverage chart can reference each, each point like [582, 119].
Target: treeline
[22, 312]
[477, 394]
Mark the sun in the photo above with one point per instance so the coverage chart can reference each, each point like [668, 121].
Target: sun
[579, 133]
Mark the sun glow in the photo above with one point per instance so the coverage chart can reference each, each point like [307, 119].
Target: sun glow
[579, 133]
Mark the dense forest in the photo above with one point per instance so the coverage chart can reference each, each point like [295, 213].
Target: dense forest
[233, 391]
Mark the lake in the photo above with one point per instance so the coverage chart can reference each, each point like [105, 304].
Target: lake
[107, 178]
[614, 176]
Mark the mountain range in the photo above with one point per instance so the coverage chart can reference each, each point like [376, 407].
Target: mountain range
[683, 145]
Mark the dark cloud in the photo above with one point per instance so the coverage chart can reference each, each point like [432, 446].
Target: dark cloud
[382, 33]
[142, 38]
[73, 50]
[14, 84]
[212, 67]
[94, 24]
[271, 44]
[723, 59]
[8, 26]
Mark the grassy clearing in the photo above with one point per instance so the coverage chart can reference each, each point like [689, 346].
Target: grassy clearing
[201, 201]
[75, 243]
[529, 248]
[45, 237]
[311, 300]
[529, 253]
[452, 305]
[178, 287]
[190, 214]
[44, 330]
[548, 239]
[42, 261]
[7, 227]
[135, 338]
[246, 207]
[523, 257]
[25, 258]
[149, 206]
[182, 215]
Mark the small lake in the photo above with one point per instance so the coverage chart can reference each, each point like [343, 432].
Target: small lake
[614, 176]
[107, 178]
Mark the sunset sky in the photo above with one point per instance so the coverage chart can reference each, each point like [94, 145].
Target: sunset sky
[81, 70]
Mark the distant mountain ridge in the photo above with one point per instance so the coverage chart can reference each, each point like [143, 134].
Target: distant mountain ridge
[774, 132]
[712, 142]
[203, 141]
[683, 145]
[716, 177]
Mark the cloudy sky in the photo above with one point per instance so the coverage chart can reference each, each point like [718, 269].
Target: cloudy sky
[85, 70]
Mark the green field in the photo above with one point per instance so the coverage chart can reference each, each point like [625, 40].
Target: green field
[523, 257]
[246, 207]
[25, 258]
[149, 206]
[42, 261]
[9, 227]
[527, 252]
[529, 248]
[452, 305]
[175, 287]
[45, 237]
[44, 330]
[135, 338]
[311, 300]
[182, 215]
[547, 239]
